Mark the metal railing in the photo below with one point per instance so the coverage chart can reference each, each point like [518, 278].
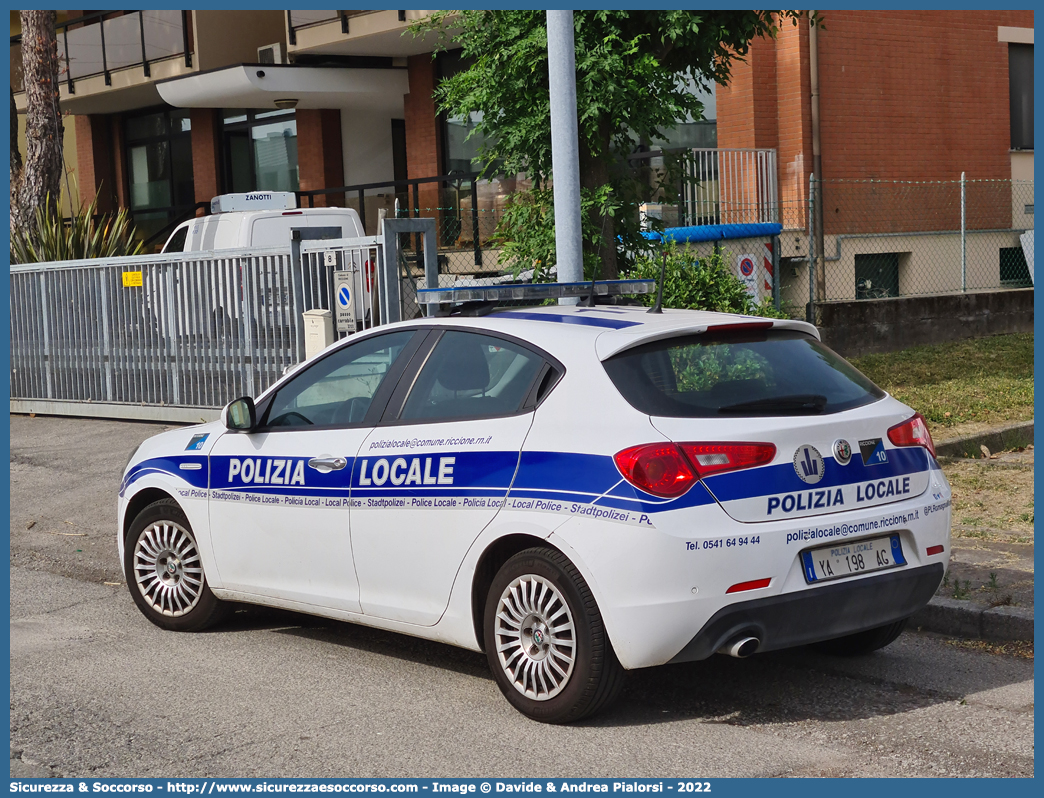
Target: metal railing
[299, 20]
[735, 186]
[456, 198]
[715, 186]
[176, 336]
[101, 43]
[189, 330]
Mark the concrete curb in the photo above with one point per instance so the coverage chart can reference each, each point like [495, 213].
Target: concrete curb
[964, 619]
[998, 439]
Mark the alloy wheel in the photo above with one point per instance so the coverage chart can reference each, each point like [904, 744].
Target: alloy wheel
[167, 568]
[535, 639]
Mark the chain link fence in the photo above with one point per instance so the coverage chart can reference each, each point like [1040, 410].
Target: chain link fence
[869, 239]
[874, 239]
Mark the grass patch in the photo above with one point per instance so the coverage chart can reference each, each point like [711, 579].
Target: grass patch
[987, 494]
[986, 380]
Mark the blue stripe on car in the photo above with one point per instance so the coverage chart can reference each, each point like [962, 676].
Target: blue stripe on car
[197, 478]
[561, 476]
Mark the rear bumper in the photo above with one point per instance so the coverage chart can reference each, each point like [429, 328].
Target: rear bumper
[822, 613]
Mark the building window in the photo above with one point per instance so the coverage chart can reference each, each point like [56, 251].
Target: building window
[1014, 271]
[459, 153]
[877, 276]
[1020, 94]
[689, 133]
[159, 167]
[260, 150]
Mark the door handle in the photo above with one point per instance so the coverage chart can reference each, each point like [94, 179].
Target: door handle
[327, 464]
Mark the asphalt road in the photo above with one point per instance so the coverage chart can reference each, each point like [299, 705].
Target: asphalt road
[98, 691]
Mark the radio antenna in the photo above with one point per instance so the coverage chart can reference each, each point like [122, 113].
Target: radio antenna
[658, 307]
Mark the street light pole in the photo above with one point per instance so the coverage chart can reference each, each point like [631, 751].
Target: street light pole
[565, 154]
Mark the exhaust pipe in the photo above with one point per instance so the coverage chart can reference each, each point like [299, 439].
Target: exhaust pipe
[740, 647]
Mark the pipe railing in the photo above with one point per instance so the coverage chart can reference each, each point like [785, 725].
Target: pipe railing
[299, 20]
[723, 185]
[100, 43]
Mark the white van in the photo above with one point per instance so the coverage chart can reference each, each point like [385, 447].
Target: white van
[261, 219]
[272, 219]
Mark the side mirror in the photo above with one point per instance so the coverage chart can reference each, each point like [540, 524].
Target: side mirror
[239, 414]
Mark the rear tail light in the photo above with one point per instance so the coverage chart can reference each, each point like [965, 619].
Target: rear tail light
[668, 469]
[657, 468]
[933, 550]
[912, 432]
[716, 458]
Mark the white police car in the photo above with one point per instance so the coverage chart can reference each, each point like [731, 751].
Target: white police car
[575, 491]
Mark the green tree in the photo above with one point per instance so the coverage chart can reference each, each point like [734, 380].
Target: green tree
[632, 71]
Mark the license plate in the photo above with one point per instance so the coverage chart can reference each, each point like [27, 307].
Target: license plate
[852, 558]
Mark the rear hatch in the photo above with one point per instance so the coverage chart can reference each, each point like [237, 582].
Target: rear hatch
[829, 423]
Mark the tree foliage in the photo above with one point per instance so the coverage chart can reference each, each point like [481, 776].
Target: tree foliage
[632, 75]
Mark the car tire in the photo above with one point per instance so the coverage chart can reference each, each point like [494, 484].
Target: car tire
[863, 642]
[165, 573]
[545, 640]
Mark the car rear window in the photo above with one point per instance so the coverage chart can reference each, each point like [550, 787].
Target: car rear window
[734, 374]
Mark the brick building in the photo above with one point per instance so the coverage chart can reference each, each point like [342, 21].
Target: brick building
[166, 109]
[912, 96]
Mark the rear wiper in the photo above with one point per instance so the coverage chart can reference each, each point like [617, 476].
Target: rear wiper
[796, 403]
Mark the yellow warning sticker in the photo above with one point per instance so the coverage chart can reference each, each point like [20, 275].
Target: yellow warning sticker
[132, 279]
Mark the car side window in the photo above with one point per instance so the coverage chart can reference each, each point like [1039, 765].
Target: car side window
[469, 375]
[337, 390]
[177, 241]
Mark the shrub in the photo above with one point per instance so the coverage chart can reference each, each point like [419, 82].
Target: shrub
[699, 283]
[87, 235]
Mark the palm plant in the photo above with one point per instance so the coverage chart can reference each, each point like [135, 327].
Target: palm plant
[87, 234]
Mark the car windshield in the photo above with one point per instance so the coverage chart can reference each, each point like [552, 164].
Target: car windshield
[736, 373]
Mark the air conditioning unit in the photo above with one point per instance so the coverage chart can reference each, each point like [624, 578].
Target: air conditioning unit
[270, 54]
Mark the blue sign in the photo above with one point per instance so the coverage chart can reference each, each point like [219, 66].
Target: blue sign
[344, 296]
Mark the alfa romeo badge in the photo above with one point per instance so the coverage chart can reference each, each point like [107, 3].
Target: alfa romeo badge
[842, 451]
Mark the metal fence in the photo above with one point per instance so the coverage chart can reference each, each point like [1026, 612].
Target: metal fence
[714, 186]
[871, 239]
[176, 336]
[356, 262]
[874, 239]
[730, 186]
[460, 261]
[187, 330]
[181, 332]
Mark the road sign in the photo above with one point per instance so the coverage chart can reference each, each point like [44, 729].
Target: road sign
[344, 300]
[746, 269]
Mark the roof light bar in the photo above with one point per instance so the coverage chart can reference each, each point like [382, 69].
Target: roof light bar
[509, 291]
